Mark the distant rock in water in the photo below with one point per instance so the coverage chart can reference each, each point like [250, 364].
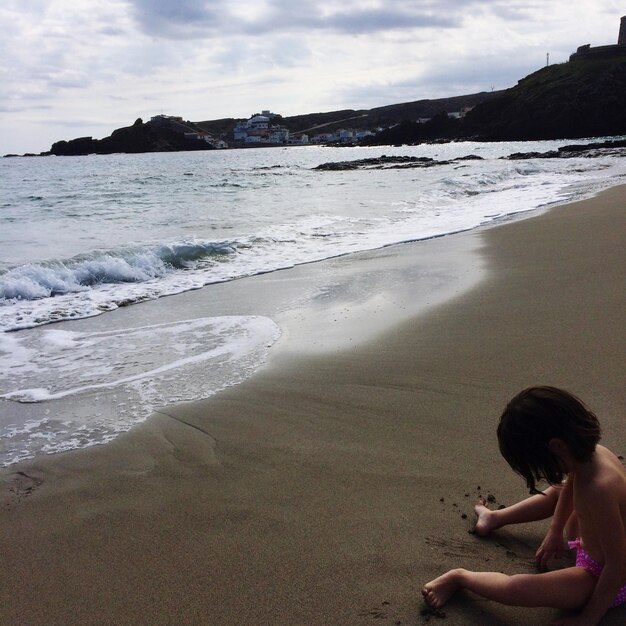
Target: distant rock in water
[137, 138]
[385, 162]
[590, 150]
[382, 162]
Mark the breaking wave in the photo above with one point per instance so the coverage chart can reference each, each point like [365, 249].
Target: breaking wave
[43, 280]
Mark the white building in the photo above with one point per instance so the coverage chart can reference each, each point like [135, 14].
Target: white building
[323, 138]
[160, 119]
[240, 132]
[258, 122]
[299, 140]
[259, 129]
[278, 134]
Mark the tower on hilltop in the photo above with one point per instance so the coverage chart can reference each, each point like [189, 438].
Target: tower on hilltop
[621, 41]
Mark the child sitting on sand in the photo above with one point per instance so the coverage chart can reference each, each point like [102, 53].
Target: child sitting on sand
[546, 433]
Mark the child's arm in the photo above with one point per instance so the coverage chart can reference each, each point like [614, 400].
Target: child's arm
[552, 545]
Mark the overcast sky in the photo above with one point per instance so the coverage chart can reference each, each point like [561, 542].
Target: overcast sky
[71, 68]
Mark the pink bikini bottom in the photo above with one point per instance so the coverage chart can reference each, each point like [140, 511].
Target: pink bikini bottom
[594, 568]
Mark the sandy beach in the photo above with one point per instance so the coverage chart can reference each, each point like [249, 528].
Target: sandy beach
[327, 488]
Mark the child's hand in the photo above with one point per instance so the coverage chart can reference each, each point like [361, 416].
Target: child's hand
[551, 546]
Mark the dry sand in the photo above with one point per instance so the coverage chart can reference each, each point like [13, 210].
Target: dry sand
[327, 488]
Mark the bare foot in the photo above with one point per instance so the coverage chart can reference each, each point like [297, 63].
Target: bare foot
[486, 521]
[437, 592]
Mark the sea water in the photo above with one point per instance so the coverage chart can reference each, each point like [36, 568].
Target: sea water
[82, 236]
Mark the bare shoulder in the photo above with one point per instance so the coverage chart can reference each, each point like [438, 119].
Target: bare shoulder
[609, 459]
[608, 474]
[604, 471]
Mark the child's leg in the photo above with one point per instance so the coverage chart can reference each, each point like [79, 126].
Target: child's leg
[568, 588]
[531, 509]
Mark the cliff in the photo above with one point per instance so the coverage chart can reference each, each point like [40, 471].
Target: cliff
[139, 137]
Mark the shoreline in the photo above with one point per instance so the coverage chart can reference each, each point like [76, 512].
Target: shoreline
[319, 307]
[328, 487]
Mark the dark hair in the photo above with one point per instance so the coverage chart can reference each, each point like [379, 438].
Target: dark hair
[534, 417]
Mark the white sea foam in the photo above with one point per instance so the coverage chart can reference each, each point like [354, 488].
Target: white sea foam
[116, 378]
[172, 230]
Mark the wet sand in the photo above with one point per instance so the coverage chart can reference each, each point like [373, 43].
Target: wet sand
[331, 485]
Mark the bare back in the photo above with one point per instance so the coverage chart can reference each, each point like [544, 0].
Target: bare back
[603, 477]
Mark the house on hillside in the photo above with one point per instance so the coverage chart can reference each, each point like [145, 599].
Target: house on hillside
[162, 120]
[342, 135]
[323, 138]
[258, 122]
[259, 129]
[300, 139]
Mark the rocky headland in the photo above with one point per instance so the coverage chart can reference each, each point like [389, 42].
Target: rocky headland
[139, 137]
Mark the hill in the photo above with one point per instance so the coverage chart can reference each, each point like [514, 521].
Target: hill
[168, 135]
[362, 118]
[139, 137]
[585, 97]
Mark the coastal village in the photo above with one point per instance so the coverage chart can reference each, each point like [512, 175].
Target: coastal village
[264, 129]
[260, 129]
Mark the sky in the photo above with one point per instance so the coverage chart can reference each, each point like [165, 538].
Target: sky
[74, 68]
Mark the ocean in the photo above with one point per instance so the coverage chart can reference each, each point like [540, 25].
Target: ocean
[82, 237]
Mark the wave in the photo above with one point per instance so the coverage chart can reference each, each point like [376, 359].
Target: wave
[269, 230]
[35, 281]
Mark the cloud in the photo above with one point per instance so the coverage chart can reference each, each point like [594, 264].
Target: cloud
[112, 31]
[349, 20]
[179, 18]
[186, 18]
[7, 107]
[382, 19]
[100, 64]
